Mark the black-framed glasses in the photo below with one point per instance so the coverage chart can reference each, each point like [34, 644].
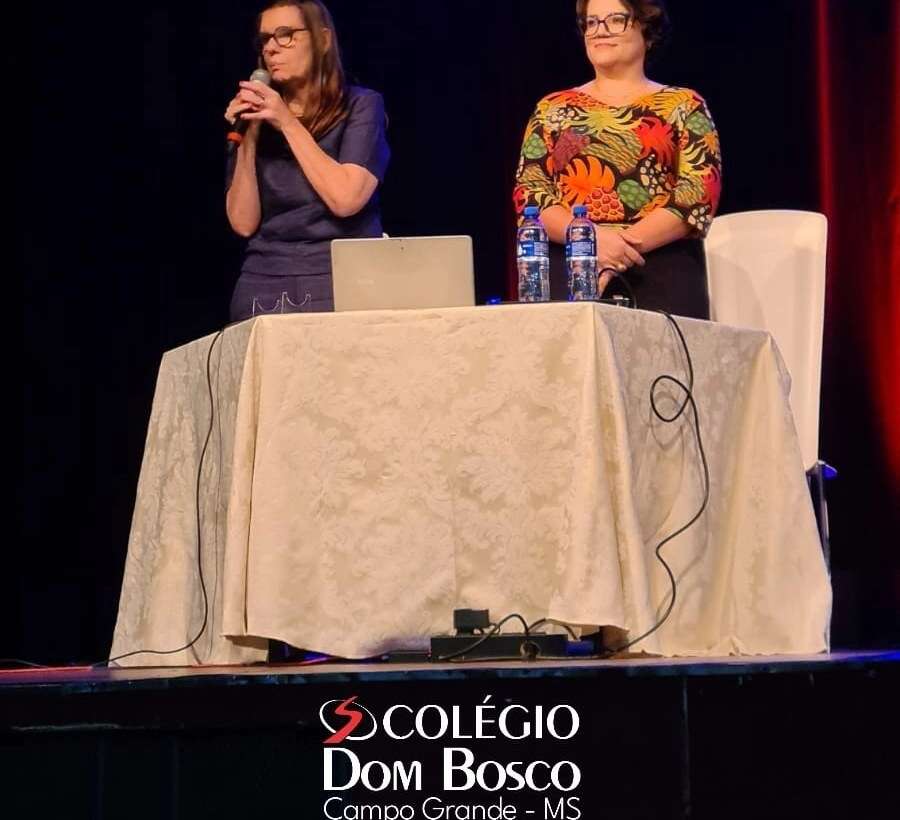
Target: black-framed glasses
[615, 23]
[283, 35]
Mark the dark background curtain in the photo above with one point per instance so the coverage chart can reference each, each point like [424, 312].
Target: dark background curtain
[116, 147]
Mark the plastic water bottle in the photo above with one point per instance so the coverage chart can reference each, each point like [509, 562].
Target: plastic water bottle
[581, 256]
[533, 258]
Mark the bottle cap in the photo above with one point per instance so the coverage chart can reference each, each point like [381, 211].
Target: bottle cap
[532, 212]
[579, 211]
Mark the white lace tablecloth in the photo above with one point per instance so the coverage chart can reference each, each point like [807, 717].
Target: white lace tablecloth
[367, 473]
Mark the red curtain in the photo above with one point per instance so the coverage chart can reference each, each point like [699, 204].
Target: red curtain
[858, 74]
[858, 84]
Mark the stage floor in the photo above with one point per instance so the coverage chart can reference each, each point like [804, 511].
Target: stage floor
[326, 672]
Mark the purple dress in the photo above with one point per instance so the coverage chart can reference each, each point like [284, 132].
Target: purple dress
[287, 264]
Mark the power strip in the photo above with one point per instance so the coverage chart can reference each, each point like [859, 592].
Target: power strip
[511, 645]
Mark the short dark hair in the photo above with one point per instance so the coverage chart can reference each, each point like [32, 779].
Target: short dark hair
[651, 14]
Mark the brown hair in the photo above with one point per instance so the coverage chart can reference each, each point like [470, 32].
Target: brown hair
[651, 14]
[327, 101]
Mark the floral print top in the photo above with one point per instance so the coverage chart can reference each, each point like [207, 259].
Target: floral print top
[622, 162]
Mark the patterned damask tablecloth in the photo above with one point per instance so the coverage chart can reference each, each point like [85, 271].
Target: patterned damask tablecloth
[367, 473]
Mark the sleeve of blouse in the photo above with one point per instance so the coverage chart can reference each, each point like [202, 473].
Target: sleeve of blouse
[535, 184]
[364, 141]
[699, 185]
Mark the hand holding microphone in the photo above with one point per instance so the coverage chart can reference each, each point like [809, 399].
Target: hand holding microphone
[249, 99]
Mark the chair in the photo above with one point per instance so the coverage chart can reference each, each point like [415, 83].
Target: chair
[766, 270]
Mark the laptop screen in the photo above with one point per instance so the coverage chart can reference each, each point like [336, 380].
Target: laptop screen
[403, 272]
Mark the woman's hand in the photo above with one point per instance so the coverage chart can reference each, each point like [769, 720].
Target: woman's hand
[617, 251]
[264, 103]
[236, 107]
[241, 106]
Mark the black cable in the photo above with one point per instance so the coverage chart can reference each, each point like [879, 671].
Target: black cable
[212, 416]
[481, 640]
[626, 284]
[565, 626]
[15, 662]
[689, 400]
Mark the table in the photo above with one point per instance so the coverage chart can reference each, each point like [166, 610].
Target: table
[366, 473]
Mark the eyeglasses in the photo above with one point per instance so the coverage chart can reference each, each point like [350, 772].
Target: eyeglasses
[284, 36]
[615, 23]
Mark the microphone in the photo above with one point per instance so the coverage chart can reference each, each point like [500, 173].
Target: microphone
[236, 134]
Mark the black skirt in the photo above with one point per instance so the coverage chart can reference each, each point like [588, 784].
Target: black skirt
[674, 279]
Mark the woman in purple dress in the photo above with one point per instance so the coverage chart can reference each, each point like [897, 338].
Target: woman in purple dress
[308, 168]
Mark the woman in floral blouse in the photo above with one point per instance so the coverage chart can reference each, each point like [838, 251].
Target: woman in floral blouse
[643, 157]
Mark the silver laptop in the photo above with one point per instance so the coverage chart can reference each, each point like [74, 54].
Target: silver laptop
[403, 272]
